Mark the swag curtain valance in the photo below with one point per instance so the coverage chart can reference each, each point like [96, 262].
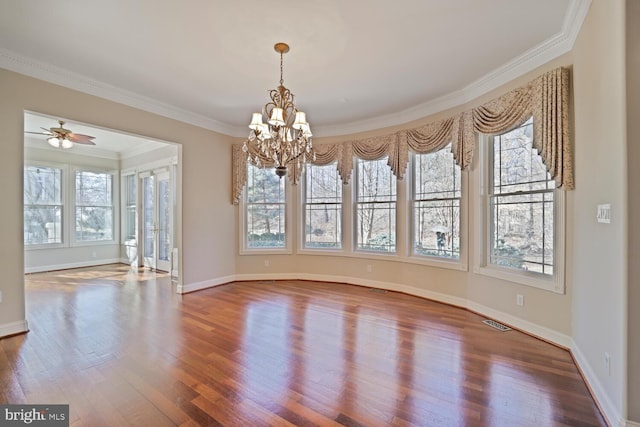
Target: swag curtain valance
[546, 98]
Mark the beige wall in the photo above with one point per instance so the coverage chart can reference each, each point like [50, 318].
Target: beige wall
[633, 181]
[207, 217]
[599, 250]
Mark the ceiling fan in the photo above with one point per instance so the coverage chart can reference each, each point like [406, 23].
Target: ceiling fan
[61, 137]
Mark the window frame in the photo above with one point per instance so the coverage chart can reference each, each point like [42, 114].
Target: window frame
[115, 207]
[64, 200]
[302, 215]
[553, 283]
[368, 253]
[461, 263]
[244, 248]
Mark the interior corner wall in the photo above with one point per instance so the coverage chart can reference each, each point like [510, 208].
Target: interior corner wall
[633, 180]
[206, 164]
[599, 250]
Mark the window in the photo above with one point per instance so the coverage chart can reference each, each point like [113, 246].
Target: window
[375, 206]
[265, 209]
[436, 205]
[129, 202]
[43, 205]
[521, 205]
[94, 206]
[322, 207]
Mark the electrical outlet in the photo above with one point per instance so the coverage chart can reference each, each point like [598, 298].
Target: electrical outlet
[520, 300]
[94, 254]
[369, 269]
[266, 263]
[607, 363]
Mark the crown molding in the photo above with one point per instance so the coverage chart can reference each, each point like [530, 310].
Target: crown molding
[66, 78]
[550, 49]
[537, 56]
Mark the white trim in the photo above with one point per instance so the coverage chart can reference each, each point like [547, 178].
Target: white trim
[611, 413]
[627, 423]
[205, 284]
[69, 79]
[13, 328]
[557, 45]
[80, 264]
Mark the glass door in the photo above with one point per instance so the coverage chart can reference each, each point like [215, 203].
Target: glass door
[156, 220]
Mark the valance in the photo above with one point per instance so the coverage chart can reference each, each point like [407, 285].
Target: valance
[546, 99]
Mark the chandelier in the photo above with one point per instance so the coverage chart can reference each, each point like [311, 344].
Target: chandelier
[285, 139]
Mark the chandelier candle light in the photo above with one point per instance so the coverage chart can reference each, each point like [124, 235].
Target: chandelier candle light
[286, 137]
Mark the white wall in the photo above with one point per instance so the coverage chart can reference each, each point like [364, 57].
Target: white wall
[599, 250]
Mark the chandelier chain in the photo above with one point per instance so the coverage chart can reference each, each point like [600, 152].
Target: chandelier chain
[281, 70]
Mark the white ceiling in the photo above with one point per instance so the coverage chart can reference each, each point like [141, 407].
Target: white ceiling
[109, 143]
[354, 65]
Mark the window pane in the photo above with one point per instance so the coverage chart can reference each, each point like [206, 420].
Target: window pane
[437, 228]
[93, 189]
[323, 207]
[94, 223]
[42, 205]
[42, 225]
[42, 186]
[131, 211]
[436, 204]
[376, 206]
[521, 204]
[265, 206]
[517, 165]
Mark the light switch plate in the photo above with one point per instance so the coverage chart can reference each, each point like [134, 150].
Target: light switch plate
[604, 213]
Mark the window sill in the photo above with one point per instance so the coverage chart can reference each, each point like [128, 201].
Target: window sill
[430, 262]
[535, 280]
[265, 251]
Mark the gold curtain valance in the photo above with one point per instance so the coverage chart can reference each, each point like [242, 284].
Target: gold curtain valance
[546, 98]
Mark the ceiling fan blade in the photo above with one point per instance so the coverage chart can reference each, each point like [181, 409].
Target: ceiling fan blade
[79, 138]
[83, 141]
[40, 133]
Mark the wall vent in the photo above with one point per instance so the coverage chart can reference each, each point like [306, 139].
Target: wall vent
[498, 326]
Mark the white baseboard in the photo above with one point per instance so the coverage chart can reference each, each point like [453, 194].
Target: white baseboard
[14, 328]
[627, 423]
[192, 287]
[53, 267]
[611, 413]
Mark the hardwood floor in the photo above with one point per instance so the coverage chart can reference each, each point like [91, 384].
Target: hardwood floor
[122, 349]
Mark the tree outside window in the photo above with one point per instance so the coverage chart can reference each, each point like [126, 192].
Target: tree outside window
[436, 205]
[42, 205]
[94, 206]
[322, 207]
[521, 203]
[375, 206]
[265, 209]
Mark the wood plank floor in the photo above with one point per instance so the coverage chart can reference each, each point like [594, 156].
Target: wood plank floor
[122, 349]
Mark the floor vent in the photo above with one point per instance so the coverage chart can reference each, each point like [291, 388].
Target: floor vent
[267, 282]
[378, 291]
[498, 326]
